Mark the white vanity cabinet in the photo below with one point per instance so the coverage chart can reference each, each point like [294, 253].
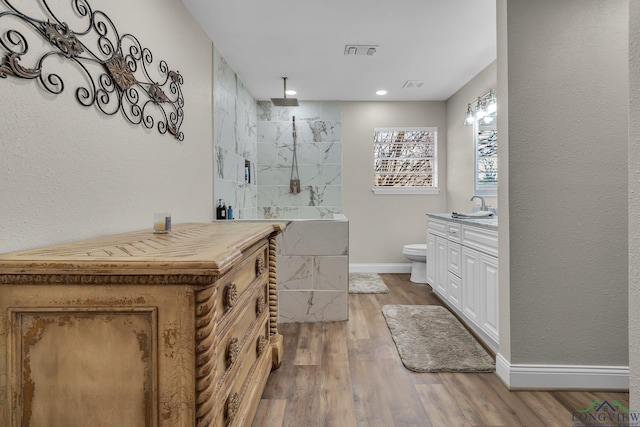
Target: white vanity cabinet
[462, 268]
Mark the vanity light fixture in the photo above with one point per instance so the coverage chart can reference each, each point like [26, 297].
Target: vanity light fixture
[482, 108]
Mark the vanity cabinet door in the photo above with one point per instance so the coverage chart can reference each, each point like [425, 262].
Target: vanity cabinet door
[480, 290]
[431, 260]
[471, 285]
[441, 267]
[454, 284]
[437, 275]
[489, 295]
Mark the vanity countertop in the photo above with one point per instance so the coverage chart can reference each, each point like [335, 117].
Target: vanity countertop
[490, 223]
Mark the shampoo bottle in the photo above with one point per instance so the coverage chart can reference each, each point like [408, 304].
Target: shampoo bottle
[230, 212]
[221, 210]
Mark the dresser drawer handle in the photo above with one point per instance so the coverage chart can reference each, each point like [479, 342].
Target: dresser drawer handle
[231, 407]
[261, 344]
[230, 295]
[233, 349]
[260, 304]
[260, 266]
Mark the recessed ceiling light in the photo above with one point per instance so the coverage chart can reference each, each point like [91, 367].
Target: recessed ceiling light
[381, 92]
[291, 92]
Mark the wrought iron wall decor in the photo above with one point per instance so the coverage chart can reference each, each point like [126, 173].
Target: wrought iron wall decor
[117, 70]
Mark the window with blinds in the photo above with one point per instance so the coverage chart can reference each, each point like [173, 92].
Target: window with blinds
[405, 160]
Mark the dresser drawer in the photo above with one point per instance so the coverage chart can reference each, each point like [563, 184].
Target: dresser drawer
[233, 285]
[232, 341]
[238, 399]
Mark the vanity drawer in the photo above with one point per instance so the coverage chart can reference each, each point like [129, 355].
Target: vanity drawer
[439, 228]
[238, 400]
[453, 232]
[481, 239]
[454, 258]
[233, 285]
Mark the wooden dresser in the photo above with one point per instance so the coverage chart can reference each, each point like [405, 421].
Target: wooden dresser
[140, 329]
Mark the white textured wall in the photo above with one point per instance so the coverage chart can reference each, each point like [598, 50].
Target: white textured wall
[460, 144]
[379, 225]
[504, 278]
[69, 172]
[634, 203]
[567, 148]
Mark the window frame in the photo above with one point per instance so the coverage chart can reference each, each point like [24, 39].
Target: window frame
[433, 189]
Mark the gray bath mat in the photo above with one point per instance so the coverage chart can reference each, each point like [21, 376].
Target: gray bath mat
[431, 339]
[366, 283]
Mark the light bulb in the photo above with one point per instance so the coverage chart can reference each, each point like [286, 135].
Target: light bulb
[468, 117]
[492, 107]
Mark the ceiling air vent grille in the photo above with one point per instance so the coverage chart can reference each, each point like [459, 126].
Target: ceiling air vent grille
[413, 84]
[360, 49]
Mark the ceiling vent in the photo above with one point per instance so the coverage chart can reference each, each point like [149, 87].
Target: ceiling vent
[413, 84]
[360, 49]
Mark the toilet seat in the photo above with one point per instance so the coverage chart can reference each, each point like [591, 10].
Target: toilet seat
[417, 249]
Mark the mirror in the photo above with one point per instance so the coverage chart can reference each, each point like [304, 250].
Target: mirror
[486, 156]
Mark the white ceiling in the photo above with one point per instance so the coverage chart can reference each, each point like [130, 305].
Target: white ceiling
[444, 43]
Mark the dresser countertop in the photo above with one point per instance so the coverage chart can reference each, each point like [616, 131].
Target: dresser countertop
[202, 248]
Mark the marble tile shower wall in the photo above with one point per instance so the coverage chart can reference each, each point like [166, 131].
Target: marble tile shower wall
[234, 133]
[319, 154]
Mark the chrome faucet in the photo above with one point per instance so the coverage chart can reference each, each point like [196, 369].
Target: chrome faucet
[483, 207]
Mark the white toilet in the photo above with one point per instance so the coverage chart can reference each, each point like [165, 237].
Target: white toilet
[418, 254]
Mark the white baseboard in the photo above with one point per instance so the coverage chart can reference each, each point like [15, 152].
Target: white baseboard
[381, 268]
[562, 376]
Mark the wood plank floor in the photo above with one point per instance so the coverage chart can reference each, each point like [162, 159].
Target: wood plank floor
[346, 374]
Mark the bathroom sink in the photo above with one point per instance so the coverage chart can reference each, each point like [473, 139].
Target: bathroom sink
[478, 214]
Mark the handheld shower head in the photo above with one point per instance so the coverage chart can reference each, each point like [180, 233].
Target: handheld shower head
[285, 102]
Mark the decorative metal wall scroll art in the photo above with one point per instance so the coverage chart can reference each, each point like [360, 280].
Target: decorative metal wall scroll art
[118, 72]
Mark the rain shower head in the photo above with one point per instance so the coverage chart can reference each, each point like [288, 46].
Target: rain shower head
[285, 102]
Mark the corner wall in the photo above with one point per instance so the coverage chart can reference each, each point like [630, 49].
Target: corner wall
[634, 204]
[69, 172]
[567, 185]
